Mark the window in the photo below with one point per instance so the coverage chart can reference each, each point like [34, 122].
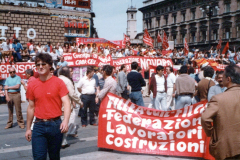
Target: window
[238, 31]
[238, 3]
[203, 36]
[204, 14]
[227, 33]
[227, 8]
[193, 37]
[174, 19]
[215, 11]
[166, 19]
[215, 34]
[182, 38]
[183, 17]
[131, 16]
[192, 15]
[157, 23]
[174, 37]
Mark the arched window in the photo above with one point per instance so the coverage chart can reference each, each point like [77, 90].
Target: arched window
[131, 16]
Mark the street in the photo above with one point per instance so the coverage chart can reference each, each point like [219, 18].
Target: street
[14, 146]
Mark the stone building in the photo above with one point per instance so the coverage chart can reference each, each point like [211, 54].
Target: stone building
[190, 19]
[44, 24]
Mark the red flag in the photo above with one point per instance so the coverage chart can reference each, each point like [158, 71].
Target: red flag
[159, 39]
[165, 44]
[126, 40]
[14, 36]
[186, 49]
[225, 48]
[147, 39]
[219, 46]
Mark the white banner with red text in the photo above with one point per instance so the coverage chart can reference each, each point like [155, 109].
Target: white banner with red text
[20, 68]
[130, 128]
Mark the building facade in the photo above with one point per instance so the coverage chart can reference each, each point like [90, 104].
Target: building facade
[34, 20]
[201, 22]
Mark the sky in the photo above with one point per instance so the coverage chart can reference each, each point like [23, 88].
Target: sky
[111, 17]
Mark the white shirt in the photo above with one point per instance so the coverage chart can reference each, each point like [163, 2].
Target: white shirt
[87, 86]
[171, 79]
[54, 56]
[6, 47]
[106, 52]
[160, 83]
[88, 50]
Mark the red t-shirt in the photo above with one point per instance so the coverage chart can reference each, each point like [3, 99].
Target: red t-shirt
[47, 97]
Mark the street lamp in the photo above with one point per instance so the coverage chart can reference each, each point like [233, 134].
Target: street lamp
[209, 11]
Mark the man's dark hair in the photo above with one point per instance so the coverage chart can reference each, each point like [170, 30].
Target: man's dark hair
[108, 69]
[183, 70]
[233, 71]
[30, 40]
[49, 43]
[191, 70]
[64, 71]
[122, 67]
[159, 68]
[89, 69]
[139, 68]
[171, 68]
[89, 44]
[51, 69]
[44, 58]
[208, 71]
[134, 65]
[219, 72]
[29, 72]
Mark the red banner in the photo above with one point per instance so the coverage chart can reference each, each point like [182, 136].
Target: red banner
[130, 128]
[219, 46]
[165, 44]
[186, 49]
[159, 39]
[98, 41]
[119, 43]
[19, 67]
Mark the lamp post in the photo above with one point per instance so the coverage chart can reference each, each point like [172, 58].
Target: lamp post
[209, 11]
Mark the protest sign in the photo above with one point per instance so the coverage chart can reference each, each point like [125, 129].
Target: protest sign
[131, 128]
[19, 67]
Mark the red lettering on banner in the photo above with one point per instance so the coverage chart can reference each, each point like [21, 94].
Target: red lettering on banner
[131, 128]
[79, 25]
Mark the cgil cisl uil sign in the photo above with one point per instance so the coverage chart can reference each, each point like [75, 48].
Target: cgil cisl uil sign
[17, 29]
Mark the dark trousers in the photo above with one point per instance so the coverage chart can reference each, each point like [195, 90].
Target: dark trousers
[125, 94]
[2, 100]
[88, 102]
[47, 137]
[17, 56]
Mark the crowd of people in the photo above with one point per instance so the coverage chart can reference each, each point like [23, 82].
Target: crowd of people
[48, 89]
[13, 51]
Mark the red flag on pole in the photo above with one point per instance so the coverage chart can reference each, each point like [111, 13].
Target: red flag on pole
[159, 39]
[147, 39]
[186, 48]
[165, 44]
[219, 46]
[14, 36]
[126, 39]
[225, 48]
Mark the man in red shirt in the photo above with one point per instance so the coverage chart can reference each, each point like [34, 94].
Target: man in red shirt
[46, 96]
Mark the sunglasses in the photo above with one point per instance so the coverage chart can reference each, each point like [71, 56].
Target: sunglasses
[39, 64]
[12, 72]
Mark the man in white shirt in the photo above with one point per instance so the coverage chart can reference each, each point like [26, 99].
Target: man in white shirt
[87, 87]
[158, 86]
[88, 49]
[106, 51]
[171, 79]
[6, 50]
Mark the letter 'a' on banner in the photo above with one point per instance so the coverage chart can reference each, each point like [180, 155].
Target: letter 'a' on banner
[126, 127]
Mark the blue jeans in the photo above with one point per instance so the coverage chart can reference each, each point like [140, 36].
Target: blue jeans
[183, 101]
[18, 56]
[136, 98]
[161, 98]
[47, 137]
